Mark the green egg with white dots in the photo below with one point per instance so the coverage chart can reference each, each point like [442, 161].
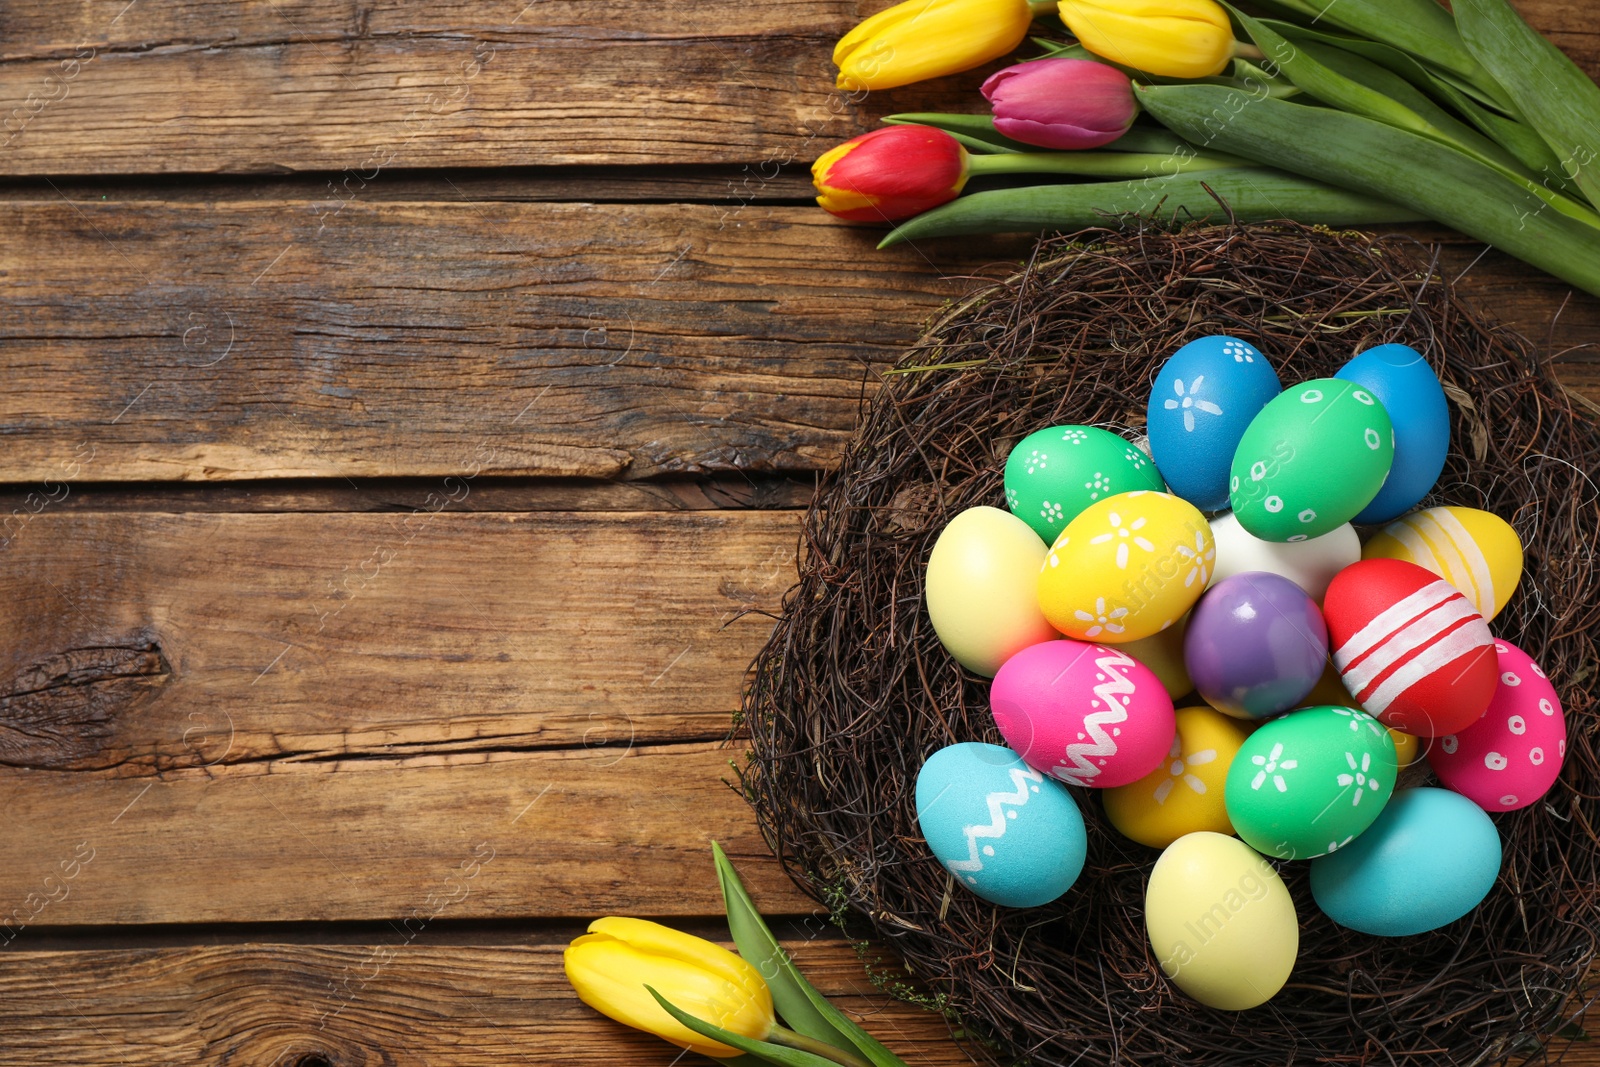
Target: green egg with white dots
[1308, 463]
[1308, 783]
[1054, 474]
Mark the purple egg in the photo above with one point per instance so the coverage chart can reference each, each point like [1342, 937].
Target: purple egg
[1256, 645]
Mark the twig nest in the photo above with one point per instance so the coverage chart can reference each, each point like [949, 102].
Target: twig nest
[854, 691]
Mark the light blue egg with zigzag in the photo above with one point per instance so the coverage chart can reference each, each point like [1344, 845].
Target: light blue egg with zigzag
[1002, 829]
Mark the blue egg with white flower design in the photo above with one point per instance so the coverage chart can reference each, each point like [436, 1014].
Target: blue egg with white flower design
[1003, 830]
[1202, 400]
[1410, 392]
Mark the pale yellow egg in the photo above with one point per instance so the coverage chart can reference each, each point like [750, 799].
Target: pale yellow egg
[981, 588]
[1163, 654]
[1221, 922]
[1127, 567]
[1476, 551]
[1184, 794]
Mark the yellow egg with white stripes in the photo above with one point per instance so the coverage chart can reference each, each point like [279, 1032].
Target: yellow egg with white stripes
[1476, 551]
[1127, 567]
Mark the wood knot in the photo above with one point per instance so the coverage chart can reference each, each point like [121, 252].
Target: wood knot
[61, 713]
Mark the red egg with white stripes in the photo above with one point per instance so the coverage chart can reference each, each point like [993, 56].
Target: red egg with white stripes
[1409, 647]
[1083, 713]
[1512, 756]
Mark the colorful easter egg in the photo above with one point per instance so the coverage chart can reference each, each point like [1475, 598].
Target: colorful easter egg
[1002, 829]
[1310, 564]
[1184, 794]
[1256, 645]
[1127, 567]
[1221, 922]
[1512, 756]
[1163, 654]
[1429, 859]
[1086, 714]
[1311, 460]
[1055, 473]
[1409, 647]
[981, 588]
[1204, 397]
[1476, 551]
[1411, 394]
[1308, 783]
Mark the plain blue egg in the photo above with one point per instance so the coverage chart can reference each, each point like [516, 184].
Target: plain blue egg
[1430, 858]
[1005, 831]
[1202, 400]
[1410, 392]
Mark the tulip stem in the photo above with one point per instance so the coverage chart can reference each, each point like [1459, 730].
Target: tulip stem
[1042, 7]
[1100, 164]
[1241, 50]
[782, 1035]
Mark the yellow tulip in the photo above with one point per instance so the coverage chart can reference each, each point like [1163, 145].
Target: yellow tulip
[611, 964]
[1168, 38]
[921, 39]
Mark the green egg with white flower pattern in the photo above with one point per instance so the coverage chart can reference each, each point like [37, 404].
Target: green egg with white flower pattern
[1054, 474]
[1310, 460]
[1309, 783]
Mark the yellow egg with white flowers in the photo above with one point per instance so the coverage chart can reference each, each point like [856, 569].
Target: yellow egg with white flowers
[1185, 794]
[1476, 551]
[1127, 567]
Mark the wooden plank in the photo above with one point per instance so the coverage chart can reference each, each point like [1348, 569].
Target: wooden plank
[259, 339]
[220, 341]
[333, 85]
[573, 833]
[138, 643]
[399, 1001]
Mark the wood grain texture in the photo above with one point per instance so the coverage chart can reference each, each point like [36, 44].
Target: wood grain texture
[234, 340]
[401, 1001]
[135, 644]
[573, 833]
[272, 339]
[337, 85]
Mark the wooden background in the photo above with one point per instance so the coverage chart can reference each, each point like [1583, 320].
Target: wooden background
[402, 406]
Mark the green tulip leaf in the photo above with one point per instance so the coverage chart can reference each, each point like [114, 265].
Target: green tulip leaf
[1251, 195]
[765, 1051]
[1407, 66]
[1380, 161]
[1421, 27]
[1552, 94]
[801, 1006]
[1300, 66]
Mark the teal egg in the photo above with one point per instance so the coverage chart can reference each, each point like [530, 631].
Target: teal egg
[1055, 473]
[1002, 829]
[1430, 858]
[1311, 460]
[1309, 783]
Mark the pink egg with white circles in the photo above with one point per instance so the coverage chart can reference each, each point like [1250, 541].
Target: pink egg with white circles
[1083, 713]
[1511, 757]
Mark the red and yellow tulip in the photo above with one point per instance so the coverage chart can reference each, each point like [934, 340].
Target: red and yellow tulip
[890, 174]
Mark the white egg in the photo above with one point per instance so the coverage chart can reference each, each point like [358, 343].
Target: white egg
[1309, 564]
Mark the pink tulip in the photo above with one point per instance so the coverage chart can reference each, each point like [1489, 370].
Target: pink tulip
[1061, 103]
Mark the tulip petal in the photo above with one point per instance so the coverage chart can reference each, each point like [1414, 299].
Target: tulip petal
[655, 939]
[919, 39]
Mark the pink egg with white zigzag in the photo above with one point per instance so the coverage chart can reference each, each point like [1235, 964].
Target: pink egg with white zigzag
[1083, 713]
[1512, 756]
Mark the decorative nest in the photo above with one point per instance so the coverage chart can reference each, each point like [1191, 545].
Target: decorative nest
[854, 691]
